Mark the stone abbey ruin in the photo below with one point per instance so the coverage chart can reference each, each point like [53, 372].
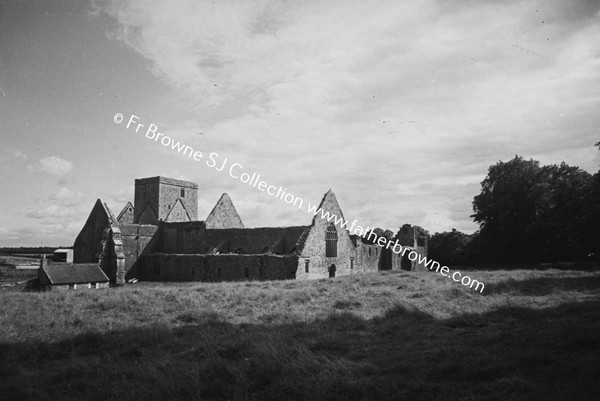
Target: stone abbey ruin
[159, 238]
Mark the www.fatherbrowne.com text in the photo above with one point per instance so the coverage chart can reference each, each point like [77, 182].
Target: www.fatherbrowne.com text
[237, 171]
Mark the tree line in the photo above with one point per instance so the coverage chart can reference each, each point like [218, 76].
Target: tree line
[528, 212]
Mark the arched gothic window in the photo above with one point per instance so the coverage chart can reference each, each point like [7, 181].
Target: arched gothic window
[331, 241]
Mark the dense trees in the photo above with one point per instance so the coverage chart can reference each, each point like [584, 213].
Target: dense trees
[528, 212]
[449, 247]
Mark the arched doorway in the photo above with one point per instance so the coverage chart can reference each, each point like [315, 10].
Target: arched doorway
[332, 269]
[405, 263]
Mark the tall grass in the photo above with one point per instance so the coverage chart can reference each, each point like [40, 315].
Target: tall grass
[393, 335]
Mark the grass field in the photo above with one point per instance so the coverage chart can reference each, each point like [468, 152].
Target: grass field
[393, 335]
[9, 275]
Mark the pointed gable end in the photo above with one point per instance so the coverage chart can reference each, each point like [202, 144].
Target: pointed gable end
[178, 213]
[224, 215]
[85, 249]
[329, 204]
[126, 215]
[312, 244]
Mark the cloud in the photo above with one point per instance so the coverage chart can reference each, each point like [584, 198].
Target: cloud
[66, 197]
[17, 154]
[56, 217]
[52, 165]
[55, 212]
[315, 95]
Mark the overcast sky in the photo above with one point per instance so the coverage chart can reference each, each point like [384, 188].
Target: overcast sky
[398, 106]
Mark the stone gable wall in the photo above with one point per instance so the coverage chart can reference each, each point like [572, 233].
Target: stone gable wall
[85, 249]
[127, 215]
[224, 215]
[314, 246]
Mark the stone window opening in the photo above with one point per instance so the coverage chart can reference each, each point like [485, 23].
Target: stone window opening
[246, 272]
[331, 241]
[182, 192]
[351, 262]
[306, 265]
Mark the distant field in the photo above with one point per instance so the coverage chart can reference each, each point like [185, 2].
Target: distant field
[393, 335]
[10, 275]
[12, 260]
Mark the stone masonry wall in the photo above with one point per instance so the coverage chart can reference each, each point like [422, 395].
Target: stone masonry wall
[188, 237]
[224, 215]
[314, 246]
[367, 257]
[136, 239]
[161, 194]
[170, 192]
[85, 249]
[211, 268]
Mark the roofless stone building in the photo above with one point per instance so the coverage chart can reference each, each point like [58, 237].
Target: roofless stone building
[159, 238]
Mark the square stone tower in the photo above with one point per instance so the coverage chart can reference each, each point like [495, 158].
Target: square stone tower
[164, 199]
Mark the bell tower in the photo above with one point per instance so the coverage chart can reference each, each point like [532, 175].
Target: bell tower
[164, 199]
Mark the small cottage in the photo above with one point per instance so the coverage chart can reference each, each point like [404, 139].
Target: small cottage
[69, 276]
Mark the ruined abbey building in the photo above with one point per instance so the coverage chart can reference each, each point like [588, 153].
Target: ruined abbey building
[159, 238]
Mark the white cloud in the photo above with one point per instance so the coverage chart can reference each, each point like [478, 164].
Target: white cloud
[318, 94]
[52, 165]
[17, 154]
[66, 197]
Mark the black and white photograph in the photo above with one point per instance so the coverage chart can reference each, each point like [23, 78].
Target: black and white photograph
[300, 200]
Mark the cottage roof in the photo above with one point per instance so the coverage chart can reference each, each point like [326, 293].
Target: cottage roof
[69, 273]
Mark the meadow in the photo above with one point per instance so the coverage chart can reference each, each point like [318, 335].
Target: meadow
[531, 335]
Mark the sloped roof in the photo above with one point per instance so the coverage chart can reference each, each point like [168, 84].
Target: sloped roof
[78, 273]
[224, 215]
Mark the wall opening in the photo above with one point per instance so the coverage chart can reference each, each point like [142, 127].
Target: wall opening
[332, 270]
[405, 263]
[331, 241]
